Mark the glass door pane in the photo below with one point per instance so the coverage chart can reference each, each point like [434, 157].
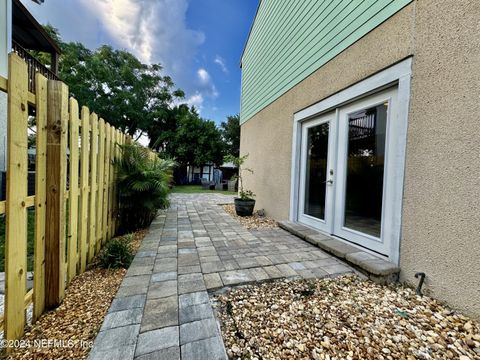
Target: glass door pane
[316, 170]
[365, 169]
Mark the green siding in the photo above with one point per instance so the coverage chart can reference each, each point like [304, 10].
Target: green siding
[291, 40]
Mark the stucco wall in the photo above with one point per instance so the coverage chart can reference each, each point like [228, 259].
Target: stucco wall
[441, 207]
[441, 217]
[267, 137]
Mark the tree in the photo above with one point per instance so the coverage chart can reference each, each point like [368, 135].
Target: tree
[230, 131]
[137, 98]
[187, 138]
[184, 136]
[115, 84]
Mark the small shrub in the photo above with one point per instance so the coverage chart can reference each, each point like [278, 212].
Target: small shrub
[143, 184]
[118, 253]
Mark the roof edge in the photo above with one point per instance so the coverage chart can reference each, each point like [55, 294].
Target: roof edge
[39, 26]
[250, 32]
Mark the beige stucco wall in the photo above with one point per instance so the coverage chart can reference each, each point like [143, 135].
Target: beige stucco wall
[441, 215]
[441, 209]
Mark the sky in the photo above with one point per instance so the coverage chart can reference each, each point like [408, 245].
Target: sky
[198, 42]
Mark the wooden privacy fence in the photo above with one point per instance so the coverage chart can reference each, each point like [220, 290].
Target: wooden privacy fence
[75, 197]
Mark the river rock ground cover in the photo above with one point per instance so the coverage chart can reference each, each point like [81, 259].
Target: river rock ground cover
[342, 318]
[257, 221]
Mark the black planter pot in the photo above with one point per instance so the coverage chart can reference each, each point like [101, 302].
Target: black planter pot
[244, 207]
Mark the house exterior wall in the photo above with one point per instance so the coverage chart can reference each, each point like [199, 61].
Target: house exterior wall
[267, 136]
[315, 33]
[441, 210]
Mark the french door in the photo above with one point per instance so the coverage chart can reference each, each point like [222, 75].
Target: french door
[318, 150]
[348, 158]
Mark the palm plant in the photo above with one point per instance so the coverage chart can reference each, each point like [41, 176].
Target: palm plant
[143, 183]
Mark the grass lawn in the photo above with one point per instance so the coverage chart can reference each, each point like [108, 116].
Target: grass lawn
[193, 189]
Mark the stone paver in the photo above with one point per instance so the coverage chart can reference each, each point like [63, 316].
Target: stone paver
[162, 309]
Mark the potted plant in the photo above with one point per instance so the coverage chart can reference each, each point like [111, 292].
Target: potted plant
[245, 203]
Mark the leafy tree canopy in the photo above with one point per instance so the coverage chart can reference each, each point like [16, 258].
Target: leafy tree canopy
[138, 98]
[230, 130]
[115, 84]
[188, 138]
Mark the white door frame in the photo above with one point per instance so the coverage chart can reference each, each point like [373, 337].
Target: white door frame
[326, 224]
[399, 75]
[382, 244]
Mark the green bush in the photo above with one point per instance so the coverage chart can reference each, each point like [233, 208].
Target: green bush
[117, 253]
[143, 186]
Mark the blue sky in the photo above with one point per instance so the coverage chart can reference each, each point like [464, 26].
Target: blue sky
[199, 42]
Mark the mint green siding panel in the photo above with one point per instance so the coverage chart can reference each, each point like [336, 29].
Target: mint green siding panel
[291, 40]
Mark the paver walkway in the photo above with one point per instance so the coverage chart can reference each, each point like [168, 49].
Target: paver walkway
[162, 309]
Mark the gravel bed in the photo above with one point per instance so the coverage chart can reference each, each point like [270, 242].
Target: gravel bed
[255, 221]
[342, 318]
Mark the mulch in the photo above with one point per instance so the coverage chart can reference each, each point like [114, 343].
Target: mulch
[72, 327]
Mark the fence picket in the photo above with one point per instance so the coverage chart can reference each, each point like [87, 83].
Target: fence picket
[101, 175]
[115, 189]
[84, 186]
[112, 182]
[106, 184]
[40, 196]
[16, 231]
[72, 247]
[93, 186]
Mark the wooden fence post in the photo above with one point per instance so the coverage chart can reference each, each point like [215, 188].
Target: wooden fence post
[16, 232]
[72, 247]
[93, 186]
[84, 173]
[40, 196]
[56, 187]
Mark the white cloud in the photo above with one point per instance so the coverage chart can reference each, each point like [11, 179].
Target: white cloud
[196, 100]
[221, 62]
[204, 76]
[154, 30]
[206, 83]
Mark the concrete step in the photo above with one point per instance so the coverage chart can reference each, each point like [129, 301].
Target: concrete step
[375, 267]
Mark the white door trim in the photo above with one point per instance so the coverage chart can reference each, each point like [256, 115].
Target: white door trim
[399, 74]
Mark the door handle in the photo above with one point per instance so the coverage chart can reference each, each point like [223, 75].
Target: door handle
[329, 182]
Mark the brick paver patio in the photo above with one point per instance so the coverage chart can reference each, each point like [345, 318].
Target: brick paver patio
[162, 309]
